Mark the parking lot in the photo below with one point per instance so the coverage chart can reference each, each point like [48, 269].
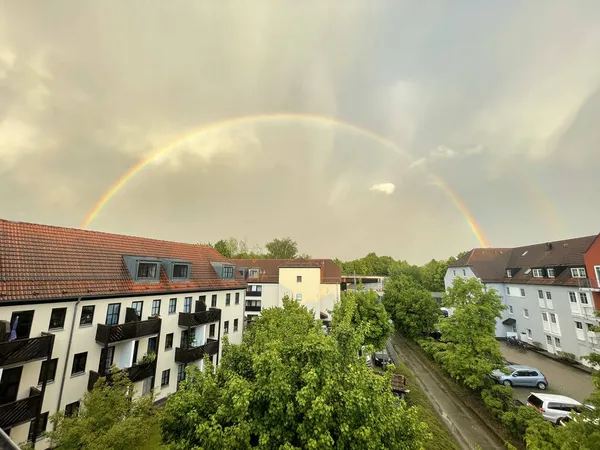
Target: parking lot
[563, 379]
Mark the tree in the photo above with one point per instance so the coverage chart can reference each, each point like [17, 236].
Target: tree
[367, 315]
[290, 386]
[471, 349]
[284, 248]
[227, 247]
[109, 418]
[413, 310]
[432, 275]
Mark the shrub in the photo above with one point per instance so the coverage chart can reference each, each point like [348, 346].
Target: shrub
[519, 419]
[568, 356]
[431, 347]
[498, 399]
[538, 344]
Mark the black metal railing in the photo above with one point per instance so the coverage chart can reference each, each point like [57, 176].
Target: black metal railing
[187, 320]
[253, 308]
[135, 373]
[20, 411]
[108, 334]
[253, 293]
[24, 350]
[187, 355]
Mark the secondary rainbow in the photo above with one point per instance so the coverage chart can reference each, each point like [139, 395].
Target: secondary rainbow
[308, 118]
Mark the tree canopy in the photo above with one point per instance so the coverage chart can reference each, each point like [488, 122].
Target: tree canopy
[290, 386]
[282, 248]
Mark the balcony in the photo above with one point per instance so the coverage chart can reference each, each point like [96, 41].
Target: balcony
[188, 355]
[586, 284]
[20, 411]
[187, 320]
[135, 373]
[253, 293]
[25, 350]
[252, 308]
[109, 334]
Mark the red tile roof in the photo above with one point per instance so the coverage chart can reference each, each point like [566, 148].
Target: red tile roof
[490, 264]
[269, 268]
[46, 262]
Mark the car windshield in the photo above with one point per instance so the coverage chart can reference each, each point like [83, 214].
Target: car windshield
[535, 401]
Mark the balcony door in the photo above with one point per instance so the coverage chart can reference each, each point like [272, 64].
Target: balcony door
[9, 384]
[107, 356]
[24, 320]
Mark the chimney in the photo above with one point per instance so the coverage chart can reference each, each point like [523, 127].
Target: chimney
[548, 246]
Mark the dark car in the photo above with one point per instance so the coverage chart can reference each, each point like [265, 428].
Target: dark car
[382, 358]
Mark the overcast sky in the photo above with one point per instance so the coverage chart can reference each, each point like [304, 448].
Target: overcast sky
[499, 99]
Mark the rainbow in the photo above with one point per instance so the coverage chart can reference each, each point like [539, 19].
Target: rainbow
[282, 117]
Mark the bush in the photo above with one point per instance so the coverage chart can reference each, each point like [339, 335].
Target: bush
[570, 357]
[519, 419]
[498, 399]
[431, 347]
[538, 344]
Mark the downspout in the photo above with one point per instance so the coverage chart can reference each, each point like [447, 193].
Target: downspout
[64, 375]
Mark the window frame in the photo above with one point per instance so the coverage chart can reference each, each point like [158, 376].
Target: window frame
[550, 272]
[510, 309]
[173, 305]
[164, 380]
[42, 424]
[582, 296]
[53, 366]
[522, 292]
[187, 305]
[538, 273]
[77, 358]
[526, 313]
[167, 336]
[298, 278]
[83, 314]
[235, 325]
[112, 314]
[228, 272]
[155, 274]
[72, 409]
[548, 295]
[139, 312]
[253, 273]
[213, 301]
[226, 327]
[180, 372]
[187, 271]
[508, 273]
[237, 298]
[212, 328]
[60, 319]
[577, 271]
[156, 307]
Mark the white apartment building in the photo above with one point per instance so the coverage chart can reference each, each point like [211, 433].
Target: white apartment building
[73, 303]
[546, 289]
[315, 283]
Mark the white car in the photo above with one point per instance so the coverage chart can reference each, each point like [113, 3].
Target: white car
[555, 408]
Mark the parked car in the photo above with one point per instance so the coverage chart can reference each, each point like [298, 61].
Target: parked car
[520, 376]
[556, 408]
[382, 358]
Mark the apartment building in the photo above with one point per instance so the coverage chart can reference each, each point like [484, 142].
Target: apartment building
[313, 282]
[550, 291]
[73, 303]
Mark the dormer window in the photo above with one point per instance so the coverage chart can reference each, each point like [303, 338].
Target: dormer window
[538, 273]
[578, 272]
[180, 270]
[509, 273]
[550, 273]
[146, 270]
[227, 271]
[253, 273]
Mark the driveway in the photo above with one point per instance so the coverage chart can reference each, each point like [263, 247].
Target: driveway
[562, 379]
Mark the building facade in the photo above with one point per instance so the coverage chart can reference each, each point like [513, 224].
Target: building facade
[73, 303]
[550, 291]
[315, 283]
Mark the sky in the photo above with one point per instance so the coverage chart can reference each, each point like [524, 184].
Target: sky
[498, 101]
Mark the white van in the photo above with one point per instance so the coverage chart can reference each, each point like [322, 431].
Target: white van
[555, 408]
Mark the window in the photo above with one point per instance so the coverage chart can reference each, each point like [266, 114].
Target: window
[164, 380]
[112, 314]
[235, 324]
[552, 318]
[550, 273]
[545, 317]
[540, 294]
[526, 313]
[155, 307]
[79, 361]
[548, 295]
[557, 342]
[211, 330]
[529, 335]
[508, 273]
[237, 298]
[579, 325]
[152, 344]
[227, 299]
[72, 409]
[454, 272]
[180, 270]
[50, 367]
[510, 309]
[583, 298]
[107, 356]
[187, 305]
[464, 273]
[572, 297]
[138, 306]
[299, 297]
[172, 305]
[549, 340]
[87, 315]
[169, 341]
[578, 272]
[227, 271]
[226, 327]
[590, 328]
[180, 372]
[538, 273]
[213, 301]
[253, 273]
[299, 279]
[522, 292]
[507, 290]
[42, 423]
[57, 318]
[146, 270]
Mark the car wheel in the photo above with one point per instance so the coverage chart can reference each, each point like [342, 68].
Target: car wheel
[558, 422]
[507, 383]
[541, 385]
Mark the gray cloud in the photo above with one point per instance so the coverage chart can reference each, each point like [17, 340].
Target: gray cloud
[499, 100]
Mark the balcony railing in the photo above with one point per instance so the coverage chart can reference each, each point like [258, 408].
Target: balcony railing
[135, 373]
[187, 320]
[587, 283]
[253, 293]
[253, 308]
[187, 355]
[20, 411]
[25, 350]
[108, 334]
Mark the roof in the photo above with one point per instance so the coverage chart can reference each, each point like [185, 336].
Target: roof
[46, 262]
[269, 268]
[555, 398]
[490, 264]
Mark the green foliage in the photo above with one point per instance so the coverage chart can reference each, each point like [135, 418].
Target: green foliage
[568, 356]
[471, 351]
[498, 399]
[109, 418]
[284, 248]
[367, 316]
[412, 308]
[518, 419]
[432, 347]
[289, 386]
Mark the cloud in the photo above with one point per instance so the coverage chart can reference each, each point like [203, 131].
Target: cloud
[384, 188]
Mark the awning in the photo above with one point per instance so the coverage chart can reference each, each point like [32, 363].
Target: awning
[509, 321]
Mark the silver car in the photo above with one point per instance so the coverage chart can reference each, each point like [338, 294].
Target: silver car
[556, 408]
[521, 376]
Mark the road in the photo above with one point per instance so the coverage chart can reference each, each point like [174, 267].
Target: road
[562, 379]
[466, 426]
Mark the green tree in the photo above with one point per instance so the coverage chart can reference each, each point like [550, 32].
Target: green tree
[367, 315]
[284, 248]
[109, 418]
[413, 310]
[432, 275]
[289, 386]
[227, 247]
[471, 349]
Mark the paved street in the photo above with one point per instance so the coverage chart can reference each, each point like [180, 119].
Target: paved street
[562, 379]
